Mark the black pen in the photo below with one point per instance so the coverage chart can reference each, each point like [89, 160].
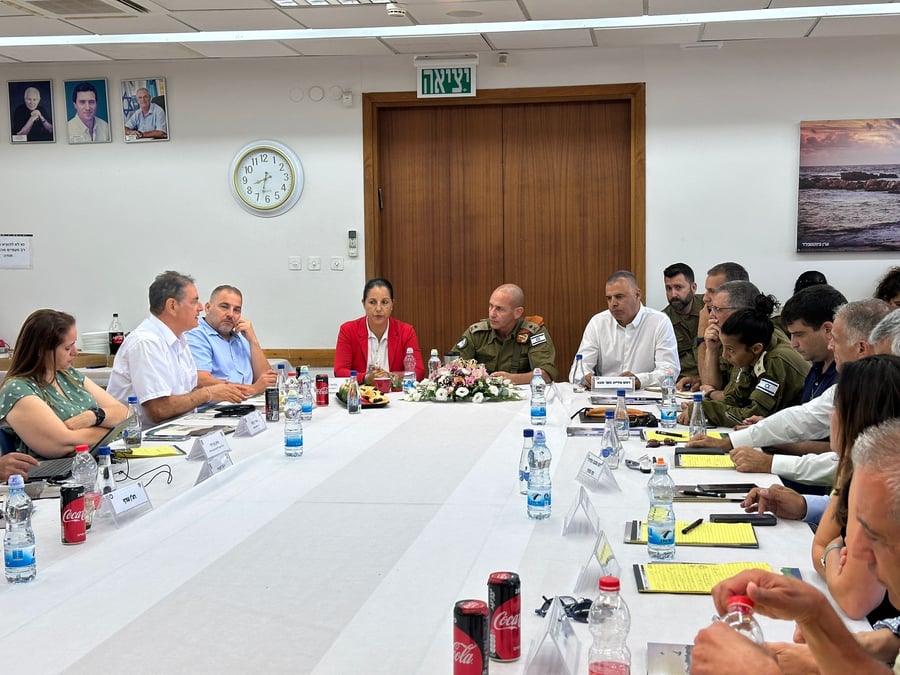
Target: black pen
[702, 493]
[693, 525]
[673, 434]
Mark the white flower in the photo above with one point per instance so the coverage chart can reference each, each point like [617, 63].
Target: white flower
[462, 392]
[493, 391]
[478, 398]
[441, 394]
[416, 396]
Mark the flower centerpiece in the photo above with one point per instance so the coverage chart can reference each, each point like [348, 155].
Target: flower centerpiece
[463, 381]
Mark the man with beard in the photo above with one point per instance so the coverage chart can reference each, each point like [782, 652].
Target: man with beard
[225, 347]
[683, 311]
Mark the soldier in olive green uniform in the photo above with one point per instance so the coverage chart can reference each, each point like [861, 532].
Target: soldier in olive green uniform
[685, 327]
[508, 342]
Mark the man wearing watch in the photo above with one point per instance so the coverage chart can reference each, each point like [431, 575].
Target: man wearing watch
[148, 121]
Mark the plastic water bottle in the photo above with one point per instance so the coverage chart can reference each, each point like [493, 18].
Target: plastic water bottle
[18, 538]
[84, 471]
[578, 384]
[538, 398]
[409, 371]
[116, 335]
[106, 480]
[623, 424]
[698, 418]
[293, 427]
[610, 445]
[661, 517]
[539, 479]
[306, 394]
[132, 432]
[524, 458]
[669, 406]
[353, 404]
[609, 622]
[740, 617]
[281, 383]
[434, 363]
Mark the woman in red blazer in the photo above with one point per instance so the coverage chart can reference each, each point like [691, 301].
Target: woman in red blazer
[391, 338]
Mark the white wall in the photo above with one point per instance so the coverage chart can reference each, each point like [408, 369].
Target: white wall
[722, 156]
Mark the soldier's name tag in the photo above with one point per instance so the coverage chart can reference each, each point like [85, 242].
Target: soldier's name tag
[540, 338]
[768, 387]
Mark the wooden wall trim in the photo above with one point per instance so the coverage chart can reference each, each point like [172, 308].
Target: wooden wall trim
[303, 357]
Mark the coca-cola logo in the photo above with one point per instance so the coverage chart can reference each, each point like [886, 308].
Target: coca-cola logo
[464, 653]
[72, 515]
[504, 620]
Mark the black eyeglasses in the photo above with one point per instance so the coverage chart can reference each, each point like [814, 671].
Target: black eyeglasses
[576, 610]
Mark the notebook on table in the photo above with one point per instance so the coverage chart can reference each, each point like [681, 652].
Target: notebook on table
[61, 468]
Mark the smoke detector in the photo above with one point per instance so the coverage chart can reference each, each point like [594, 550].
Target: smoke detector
[395, 9]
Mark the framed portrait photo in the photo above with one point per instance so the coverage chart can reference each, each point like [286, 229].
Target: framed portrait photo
[87, 111]
[31, 111]
[144, 108]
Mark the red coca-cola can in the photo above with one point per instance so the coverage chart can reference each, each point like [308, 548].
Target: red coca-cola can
[470, 635]
[504, 605]
[321, 390]
[71, 513]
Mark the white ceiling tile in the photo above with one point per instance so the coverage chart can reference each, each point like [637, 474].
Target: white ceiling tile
[238, 19]
[36, 25]
[542, 39]
[757, 30]
[239, 50]
[154, 52]
[339, 47]
[861, 25]
[184, 5]
[674, 35]
[347, 16]
[488, 10]
[438, 44]
[146, 23]
[542, 10]
[691, 6]
[54, 53]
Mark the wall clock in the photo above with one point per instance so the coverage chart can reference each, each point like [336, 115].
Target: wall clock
[266, 178]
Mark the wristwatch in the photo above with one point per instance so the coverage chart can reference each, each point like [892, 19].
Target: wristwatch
[829, 549]
[99, 413]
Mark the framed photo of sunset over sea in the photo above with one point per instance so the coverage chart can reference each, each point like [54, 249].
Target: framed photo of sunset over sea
[849, 196]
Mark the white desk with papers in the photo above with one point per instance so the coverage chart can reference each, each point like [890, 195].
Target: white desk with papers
[349, 559]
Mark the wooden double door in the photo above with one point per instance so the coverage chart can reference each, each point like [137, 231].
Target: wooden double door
[543, 188]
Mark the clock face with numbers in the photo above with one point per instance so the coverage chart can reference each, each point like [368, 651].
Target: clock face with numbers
[266, 178]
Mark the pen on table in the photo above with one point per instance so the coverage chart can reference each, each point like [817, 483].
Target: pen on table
[703, 493]
[669, 433]
[692, 526]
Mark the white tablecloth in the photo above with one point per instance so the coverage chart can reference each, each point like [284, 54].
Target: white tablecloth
[349, 559]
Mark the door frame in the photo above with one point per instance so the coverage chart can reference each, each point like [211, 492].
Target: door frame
[634, 93]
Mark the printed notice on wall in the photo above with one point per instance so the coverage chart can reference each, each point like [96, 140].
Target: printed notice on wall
[15, 251]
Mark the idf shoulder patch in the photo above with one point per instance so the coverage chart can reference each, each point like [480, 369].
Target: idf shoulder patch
[462, 343]
[480, 326]
[538, 339]
[767, 386]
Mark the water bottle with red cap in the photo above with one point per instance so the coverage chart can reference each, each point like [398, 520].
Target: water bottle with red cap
[609, 621]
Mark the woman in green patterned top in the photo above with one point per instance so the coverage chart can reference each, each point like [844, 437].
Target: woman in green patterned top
[49, 405]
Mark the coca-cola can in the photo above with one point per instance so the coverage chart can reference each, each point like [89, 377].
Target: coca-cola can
[272, 404]
[321, 390]
[71, 513]
[470, 633]
[504, 605]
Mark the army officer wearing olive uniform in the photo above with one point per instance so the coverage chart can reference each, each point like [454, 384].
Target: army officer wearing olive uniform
[509, 343]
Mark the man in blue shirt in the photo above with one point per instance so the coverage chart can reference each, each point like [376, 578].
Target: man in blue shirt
[225, 347]
[148, 121]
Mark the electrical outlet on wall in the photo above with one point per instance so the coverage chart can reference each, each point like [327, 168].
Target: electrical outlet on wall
[314, 264]
[295, 262]
[337, 263]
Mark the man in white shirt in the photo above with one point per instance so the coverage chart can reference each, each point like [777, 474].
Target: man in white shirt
[628, 339]
[85, 126]
[850, 331]
[154, 362]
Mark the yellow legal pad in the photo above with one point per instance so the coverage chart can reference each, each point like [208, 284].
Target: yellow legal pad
[736, 535]
[149, 452]
[695, 578]
[679, 436]
[703, 461]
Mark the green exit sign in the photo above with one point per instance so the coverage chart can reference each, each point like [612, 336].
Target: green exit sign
[443, 80]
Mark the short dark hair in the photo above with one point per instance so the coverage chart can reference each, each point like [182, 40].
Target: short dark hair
[167, 285]
[377, 282]
[889, 285]
[226, 287]
[814, 305]
[751, 326]
[733, 271]
[675, 269]
[83, 86]
[809, 278]
[741, 294]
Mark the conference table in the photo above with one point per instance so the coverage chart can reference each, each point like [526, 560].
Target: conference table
[350, 558]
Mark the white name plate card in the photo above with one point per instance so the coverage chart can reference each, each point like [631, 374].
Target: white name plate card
[595, 473]
[214, 450]
[585, 505]
[126, 502]
[626, 383]
[558, 648]
[601, 563]
[251, 424]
